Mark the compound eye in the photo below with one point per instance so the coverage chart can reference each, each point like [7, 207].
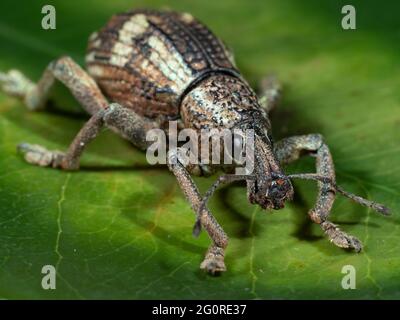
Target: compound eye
[277, 189]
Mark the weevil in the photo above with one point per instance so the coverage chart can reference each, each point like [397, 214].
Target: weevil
[146, 67]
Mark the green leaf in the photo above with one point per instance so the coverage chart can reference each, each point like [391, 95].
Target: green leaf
[120, 228]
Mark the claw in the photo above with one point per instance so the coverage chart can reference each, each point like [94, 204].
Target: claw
[213, 262]
[15, 83]
[213, 266]
[340, 238]
[36, 154]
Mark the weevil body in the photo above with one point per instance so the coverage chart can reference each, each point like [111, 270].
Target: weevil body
[145, 68]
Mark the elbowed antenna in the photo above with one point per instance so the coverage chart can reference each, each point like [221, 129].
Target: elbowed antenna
[380, 208]
[228, 178]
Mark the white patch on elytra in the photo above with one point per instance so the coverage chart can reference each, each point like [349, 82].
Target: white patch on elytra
[96, 43]
[120, 54]
[145, 64]
[93, 36]
[122, 49]
[90, 57]
[187, 17]
[95, 71]
[169, 62]
[133, 28]
[119, 61]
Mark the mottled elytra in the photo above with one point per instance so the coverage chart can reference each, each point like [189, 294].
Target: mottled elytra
[147, 67]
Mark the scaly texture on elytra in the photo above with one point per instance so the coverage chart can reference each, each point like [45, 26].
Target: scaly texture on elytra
[145, 60]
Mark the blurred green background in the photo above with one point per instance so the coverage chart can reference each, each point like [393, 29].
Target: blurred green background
[120, 228]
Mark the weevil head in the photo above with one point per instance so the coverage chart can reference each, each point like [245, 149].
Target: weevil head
[270, 187]
[272, 194]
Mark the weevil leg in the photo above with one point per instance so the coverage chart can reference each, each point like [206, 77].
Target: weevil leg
[81, 85]
[39, 155]
[271, 91]
[124, 121]
[214, 258]
[15, 83]
[289, 150]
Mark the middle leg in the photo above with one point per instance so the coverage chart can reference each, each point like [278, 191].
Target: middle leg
[124, 121]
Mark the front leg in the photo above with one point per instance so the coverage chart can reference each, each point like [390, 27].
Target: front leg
[214, 259]
[289, 150]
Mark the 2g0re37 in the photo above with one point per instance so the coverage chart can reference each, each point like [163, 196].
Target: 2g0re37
[229, 309]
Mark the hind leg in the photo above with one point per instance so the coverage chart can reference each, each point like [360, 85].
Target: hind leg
[289, 150]
[64, 69]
